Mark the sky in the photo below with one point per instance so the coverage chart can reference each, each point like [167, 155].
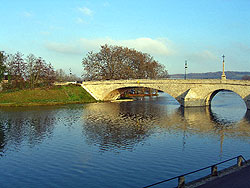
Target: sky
[197, 31]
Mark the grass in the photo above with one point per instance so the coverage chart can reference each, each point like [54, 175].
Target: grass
[46, 96]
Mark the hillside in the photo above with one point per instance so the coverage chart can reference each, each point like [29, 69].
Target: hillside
[233, 75]
[46, 96]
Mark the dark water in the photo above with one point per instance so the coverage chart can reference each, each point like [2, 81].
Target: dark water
[126, 144]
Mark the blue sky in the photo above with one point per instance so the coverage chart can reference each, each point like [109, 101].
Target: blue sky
[63, 31]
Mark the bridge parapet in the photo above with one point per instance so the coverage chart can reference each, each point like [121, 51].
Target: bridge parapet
[177, 81]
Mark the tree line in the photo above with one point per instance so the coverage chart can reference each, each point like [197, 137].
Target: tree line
[25, 72]
[111, 62]
[29, 71]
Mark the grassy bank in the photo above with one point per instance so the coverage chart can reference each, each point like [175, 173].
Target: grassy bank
[46, 96]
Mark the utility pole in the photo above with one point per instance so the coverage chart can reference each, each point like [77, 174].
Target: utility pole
[185, 77]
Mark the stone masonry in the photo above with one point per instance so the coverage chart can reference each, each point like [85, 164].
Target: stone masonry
[188, 93]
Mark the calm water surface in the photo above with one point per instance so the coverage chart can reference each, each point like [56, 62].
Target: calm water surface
[120, 144]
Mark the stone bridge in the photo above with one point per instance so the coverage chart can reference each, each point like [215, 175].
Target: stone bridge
[189, 93]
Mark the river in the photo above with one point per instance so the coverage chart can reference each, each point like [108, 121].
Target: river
[119, 144]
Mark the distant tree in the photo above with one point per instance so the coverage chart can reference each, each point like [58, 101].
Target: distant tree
[246, 77]
[74, 77]
[60, 75]
[116, 62]
[2, 65]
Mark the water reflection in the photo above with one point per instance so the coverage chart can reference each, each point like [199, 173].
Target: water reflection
[2, 140]
[29, 126]
[18, 125]
[75, 145]
[123, 125]
[114, 126]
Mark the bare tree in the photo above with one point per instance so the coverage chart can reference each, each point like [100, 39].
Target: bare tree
[116, 62]
[32, 71]
[2, 65]
[16, 67]
[38, 71]
[48, 75]
[28, 72]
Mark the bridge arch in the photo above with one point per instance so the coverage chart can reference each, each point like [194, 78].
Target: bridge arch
[212, 94]
[116, 93]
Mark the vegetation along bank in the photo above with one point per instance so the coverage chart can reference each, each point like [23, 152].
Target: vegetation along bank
[53, 95]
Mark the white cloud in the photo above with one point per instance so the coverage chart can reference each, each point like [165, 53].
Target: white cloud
[106, 4]
[45, 33]
[203, 56]
[202, 61]
[207, 54]
[155, 47]
[86, 11]
[148, 45]
[79, 20]
[27, 14]
[63, 48]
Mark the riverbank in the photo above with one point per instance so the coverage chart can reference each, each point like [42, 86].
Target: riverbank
[55, 95]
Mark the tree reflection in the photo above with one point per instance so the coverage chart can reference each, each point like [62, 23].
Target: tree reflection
[119, 126]
[19, 125]
[2, 140]
[115, 126]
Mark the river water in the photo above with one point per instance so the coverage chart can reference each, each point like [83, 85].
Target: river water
[119, 144]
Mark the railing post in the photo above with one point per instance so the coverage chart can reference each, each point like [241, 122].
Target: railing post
[181, 182]
[214, 171]
[239, 161]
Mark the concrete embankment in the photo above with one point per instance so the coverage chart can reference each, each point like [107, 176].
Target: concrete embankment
[233, 177]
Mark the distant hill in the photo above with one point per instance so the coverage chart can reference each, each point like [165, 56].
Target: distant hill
[233, 75]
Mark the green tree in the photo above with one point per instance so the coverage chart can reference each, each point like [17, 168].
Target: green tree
[116, 62]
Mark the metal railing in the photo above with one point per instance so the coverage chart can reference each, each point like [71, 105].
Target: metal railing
[214, 172]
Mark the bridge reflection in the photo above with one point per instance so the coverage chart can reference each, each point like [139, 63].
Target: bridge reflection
[120, 126]
[114, 126]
